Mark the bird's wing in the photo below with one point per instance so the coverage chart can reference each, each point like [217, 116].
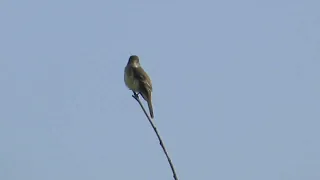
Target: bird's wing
[143, 78]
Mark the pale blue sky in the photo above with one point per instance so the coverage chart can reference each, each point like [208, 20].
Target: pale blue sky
[236, 89]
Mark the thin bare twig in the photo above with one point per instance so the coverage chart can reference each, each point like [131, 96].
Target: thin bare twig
[136, 97]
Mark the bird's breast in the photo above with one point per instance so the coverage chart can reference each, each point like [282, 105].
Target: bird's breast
[131, 82]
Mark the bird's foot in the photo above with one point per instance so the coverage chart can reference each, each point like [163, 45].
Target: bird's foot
[135, 95]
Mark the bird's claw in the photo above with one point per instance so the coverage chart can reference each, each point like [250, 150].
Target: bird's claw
[135, 95]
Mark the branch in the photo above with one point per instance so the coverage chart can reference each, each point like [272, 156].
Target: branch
[136, 97]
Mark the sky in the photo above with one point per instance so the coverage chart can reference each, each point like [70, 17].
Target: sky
[235, 89]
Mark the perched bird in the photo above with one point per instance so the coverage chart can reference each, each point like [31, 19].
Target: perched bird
[137, 80]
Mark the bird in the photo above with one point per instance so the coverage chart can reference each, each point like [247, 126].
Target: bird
[137, 80]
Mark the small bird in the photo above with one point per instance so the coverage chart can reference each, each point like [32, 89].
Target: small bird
[137, 80]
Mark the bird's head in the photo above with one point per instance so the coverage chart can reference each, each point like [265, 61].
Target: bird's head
[134, 60]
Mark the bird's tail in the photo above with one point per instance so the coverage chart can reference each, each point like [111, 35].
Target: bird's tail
[147, 96]
[150, 108]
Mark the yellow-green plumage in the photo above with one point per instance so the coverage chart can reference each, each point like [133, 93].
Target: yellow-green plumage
[137, 80]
